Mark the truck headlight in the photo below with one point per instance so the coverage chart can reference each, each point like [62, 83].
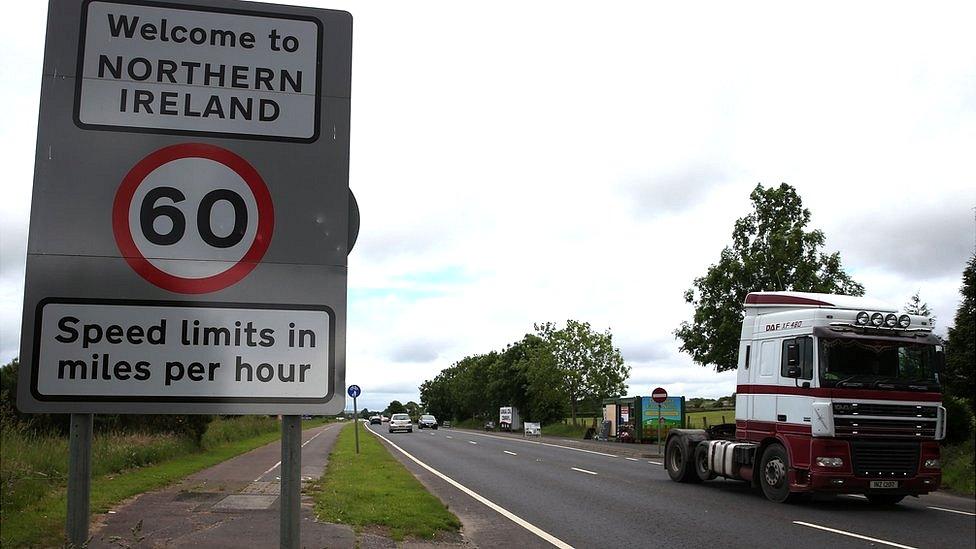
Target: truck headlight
[932, 464]
[830, 462]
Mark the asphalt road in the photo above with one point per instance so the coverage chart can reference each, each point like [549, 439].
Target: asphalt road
[599, 499]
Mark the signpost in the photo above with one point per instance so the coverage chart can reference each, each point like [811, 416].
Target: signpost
[659, 395]
[354, 392]
[190, 220]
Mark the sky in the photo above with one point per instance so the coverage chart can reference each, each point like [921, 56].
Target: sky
[517, 163]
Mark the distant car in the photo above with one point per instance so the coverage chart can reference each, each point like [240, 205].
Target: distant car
[375, 420]
[401, 422]
[427, 421]
[385, 419]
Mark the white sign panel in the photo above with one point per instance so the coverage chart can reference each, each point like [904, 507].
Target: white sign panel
[182, 69]
[178, 352]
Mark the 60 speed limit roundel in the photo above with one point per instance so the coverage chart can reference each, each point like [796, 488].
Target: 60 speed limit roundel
[193, 218]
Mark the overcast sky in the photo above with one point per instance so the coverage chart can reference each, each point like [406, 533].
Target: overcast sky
[519, 162]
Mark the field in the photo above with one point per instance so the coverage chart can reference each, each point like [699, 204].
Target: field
[33, 470]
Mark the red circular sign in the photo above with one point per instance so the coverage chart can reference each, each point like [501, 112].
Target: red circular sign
[153, 268]
[659, 395]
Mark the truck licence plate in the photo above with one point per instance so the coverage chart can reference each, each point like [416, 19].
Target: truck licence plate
[884, 484]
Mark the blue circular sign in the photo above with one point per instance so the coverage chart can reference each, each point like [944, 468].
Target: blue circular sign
[354, 391]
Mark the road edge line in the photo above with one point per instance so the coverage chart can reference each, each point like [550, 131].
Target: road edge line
[853, 535]
[495, 507]
[967, 513]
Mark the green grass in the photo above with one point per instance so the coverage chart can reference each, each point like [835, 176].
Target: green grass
[958, 471]
[33, 470]
[372, 489]
[564, 430]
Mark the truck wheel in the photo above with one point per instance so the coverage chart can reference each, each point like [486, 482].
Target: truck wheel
[774, 474]
[701, 463]
[884, 499]
[679, 462]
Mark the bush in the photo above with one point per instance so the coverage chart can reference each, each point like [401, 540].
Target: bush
[959, 420]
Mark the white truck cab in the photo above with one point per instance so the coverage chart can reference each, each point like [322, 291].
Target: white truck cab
[835, 394]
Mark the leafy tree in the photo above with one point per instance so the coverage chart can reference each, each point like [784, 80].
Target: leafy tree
[365, 413]
[960, 357]
[916, 306]
[413, 409]
[395, 407]
[771, 250]
[591, 367]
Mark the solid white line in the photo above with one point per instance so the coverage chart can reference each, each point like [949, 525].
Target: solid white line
[501, 510]
[582, 470]
[654, 463]
[545, 444]
[967, 513]
[853, 535]
[510, 453]
[472, 442]
[632, 459]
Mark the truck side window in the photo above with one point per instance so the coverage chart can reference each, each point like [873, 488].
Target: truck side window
[806, 356]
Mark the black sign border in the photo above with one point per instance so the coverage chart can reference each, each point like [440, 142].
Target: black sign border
[79, 79]
[38, 317]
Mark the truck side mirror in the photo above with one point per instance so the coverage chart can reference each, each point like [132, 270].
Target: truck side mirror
[793, 371]
[792, 355]
[939, 359]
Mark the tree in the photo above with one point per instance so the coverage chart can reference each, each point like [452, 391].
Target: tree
[413, 409]
[960, 357]
[916, 306]
[591, 368]
[364, 413]
[395, 407]
[771, 250]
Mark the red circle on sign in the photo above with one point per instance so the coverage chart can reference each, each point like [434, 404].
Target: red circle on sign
[134, 257]
[659, 395]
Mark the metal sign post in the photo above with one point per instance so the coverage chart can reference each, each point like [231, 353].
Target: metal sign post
[291, 481]
[659, 395]
[79, 479]
[354, 392]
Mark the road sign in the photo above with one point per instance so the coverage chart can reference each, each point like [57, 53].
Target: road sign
[659, 395]
[354, 391]
[190, 222]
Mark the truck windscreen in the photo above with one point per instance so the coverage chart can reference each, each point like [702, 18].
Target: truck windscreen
[881, 364]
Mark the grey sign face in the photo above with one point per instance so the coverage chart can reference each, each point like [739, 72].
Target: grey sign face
[190, 221]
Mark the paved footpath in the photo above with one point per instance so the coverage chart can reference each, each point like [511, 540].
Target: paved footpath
[232, 504]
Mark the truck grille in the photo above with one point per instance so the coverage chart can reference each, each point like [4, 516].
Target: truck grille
[887, 410]
[857, 427]
[876, 459]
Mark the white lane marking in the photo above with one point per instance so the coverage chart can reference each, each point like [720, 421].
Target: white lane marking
[859, 496]
[275, 466]
[582, 470]
[510, 453]
[472, 442]
[632, 459]
[545, 444]
[501, 510]
[852, 534]
[433, 434]
[967, 513]
[655, 463]
[449, 436]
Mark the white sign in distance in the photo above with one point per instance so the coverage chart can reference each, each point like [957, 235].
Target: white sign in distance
[158, 352]
[200, 70]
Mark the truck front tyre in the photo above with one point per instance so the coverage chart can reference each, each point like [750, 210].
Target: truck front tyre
[774, 474]
[679, 462]
[884, 500]
[701, 463]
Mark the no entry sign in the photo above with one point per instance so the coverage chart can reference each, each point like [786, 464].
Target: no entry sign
[189, 224]
[659, 395]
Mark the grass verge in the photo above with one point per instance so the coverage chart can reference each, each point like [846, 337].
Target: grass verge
[374, 489]
[958, 470]
[123, 465]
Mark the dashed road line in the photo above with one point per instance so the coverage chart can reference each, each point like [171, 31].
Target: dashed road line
[510, 453]
[448, 436]
[967, 513]
[852, 535]
[583, 470]
[654, 462]
[546, 444]
[499, 509]
[472, 442]
[632, 459]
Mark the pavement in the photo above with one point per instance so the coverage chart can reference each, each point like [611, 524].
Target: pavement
[231, 505]
[567, 493]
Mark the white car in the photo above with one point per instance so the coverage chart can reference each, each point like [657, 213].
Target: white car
[401, 422]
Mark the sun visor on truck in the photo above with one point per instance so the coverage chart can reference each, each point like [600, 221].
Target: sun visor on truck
[848, 333]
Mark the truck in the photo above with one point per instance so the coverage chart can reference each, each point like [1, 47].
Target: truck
[508, 419]
[835, 394]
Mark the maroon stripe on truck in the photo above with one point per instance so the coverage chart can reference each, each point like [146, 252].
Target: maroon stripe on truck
[767, 299]
[827, 392]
